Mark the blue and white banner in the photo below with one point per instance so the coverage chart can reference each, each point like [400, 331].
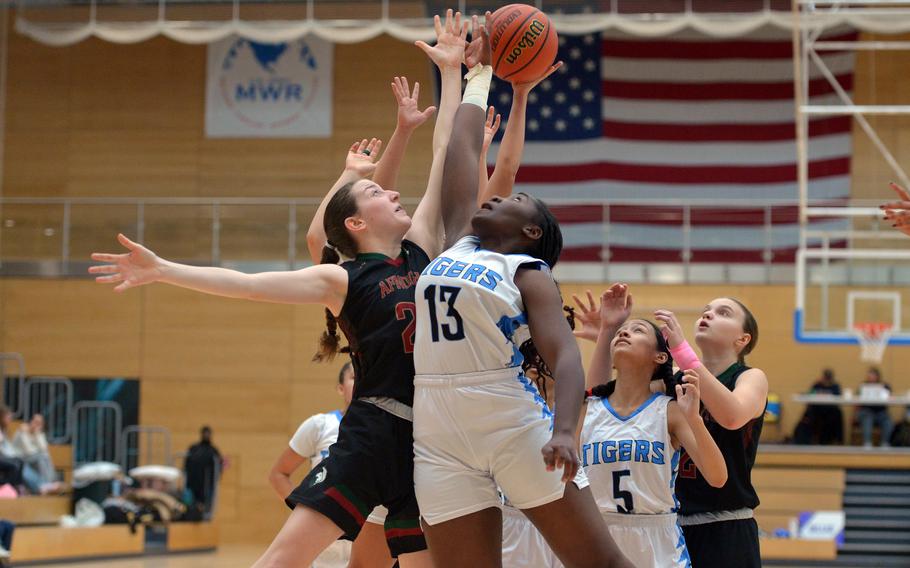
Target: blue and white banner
[264, 90]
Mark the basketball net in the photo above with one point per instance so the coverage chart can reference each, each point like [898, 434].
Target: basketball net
[873, 339]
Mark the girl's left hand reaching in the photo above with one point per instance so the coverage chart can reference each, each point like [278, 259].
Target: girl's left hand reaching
[528, 85]
[688, 397]
[478, 51]
[449, 51]
[898, 212]
[409, 115]
[361, 159]
[490, 127]
[669, 327]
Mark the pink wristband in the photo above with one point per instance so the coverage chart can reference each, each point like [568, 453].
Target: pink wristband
[685, 356]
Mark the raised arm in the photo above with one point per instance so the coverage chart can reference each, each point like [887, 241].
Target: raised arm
[324, 284]
[688, 430]
[508, 158]
[898, 212]
[447, 54]
[557, 347]
[410, 117]
[731, 409]
[357, 164]
[615, 307]
[461, 175]
[489, 131]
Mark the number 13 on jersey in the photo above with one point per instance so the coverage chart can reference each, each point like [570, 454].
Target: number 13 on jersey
[453, 329]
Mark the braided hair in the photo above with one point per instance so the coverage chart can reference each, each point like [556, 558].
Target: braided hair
[338, 240]
[663, 372]
[549, 246]
[533, 364]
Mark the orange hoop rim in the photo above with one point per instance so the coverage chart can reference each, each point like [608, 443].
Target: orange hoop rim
[872, 329]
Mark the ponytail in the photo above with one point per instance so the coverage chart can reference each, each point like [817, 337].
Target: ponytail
[338, 241]
[329, 340]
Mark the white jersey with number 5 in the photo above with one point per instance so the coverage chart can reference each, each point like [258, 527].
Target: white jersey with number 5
[470, 316]
[630, 460]
[631, 465]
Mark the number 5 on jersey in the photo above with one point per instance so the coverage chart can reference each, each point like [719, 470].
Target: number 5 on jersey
[453, 330]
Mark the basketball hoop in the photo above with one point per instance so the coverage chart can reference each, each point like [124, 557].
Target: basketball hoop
[873, 339]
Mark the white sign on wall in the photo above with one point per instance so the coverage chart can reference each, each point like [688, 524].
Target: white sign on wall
[822, 525]
[267, 90]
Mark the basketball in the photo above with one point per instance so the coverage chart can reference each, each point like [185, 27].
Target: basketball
[523, 41]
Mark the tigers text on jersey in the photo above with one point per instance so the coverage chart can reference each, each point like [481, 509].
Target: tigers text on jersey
[630, 460]
[470, 315]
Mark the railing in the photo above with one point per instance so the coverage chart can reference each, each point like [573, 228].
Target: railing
[52, 397]
[671, 241]
[13, 384]
[96, 432]
[145, 445]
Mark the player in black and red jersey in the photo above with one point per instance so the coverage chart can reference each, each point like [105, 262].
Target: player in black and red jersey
[718, 522]
[371, 297]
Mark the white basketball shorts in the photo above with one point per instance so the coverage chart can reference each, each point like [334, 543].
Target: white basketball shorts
[649, 541]
[475, 431]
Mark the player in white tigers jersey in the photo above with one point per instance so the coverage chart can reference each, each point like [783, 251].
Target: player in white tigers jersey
[631, 437]
[479, 422]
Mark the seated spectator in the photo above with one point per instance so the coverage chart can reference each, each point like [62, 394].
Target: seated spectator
[824, 422]
[871, 415]
[30, 476]
[30, 444]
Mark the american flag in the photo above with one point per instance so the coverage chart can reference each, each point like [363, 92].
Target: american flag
[681, 118]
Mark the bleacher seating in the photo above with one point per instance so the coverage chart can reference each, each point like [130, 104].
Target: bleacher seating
[35, 510]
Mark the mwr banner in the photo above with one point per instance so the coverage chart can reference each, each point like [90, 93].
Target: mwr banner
[269, 90]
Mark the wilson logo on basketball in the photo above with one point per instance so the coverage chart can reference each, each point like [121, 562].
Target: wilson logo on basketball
[535, 28]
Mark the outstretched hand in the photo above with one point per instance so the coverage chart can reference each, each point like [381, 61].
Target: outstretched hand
[615, 306]
[588, 315]
[137, 267]
[528, 85]
[361, 159]
[490, 127]
[451, 37]
[409, 114]
[479, 50]
[898, 212]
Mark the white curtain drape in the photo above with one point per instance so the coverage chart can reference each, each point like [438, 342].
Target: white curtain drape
[355, 31]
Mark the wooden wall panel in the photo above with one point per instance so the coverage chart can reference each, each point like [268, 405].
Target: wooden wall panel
[219, 339]
[185, 404]
[67, 327]
[131, 122]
